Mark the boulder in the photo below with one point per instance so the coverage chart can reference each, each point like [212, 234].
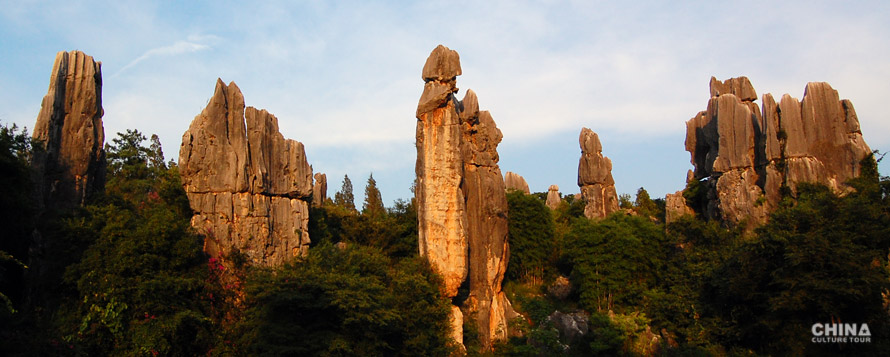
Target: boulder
[248, 186]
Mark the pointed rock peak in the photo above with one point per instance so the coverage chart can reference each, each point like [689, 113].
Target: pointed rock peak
[739, 86]
[470, 105]
[443, 64]
[514, 181]
[590, 142]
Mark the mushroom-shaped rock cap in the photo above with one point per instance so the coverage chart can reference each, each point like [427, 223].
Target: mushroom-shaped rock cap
[442, 64]
[590, 142]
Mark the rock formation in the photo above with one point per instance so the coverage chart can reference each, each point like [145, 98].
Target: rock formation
[72, 166]
[553, 198]
[246, 183]
[516, 182]
[744, 156]
[595, 177]
[461, 200]
[675, 207]
[320, 190]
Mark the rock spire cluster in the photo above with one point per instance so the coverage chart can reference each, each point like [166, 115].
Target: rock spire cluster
[595, 177]
[461, 200]
[72, 166]
[744, 156]
[248, 186]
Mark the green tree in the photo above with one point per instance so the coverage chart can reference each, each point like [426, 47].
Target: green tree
[141, 285]
[373, 205]
[345, 198]
[16, 212]
[822, 259]
[353, 301]
[644, 205]
[531, 237]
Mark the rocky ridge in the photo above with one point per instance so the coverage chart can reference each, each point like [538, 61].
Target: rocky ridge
[744, 156]
[248, 186]
[461, 200]
[595, 177]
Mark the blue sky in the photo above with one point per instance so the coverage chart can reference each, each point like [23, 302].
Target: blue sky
[344, 77]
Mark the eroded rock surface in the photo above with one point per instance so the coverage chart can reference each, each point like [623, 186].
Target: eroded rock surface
[553, 197]
[246, 183]
[675, 207]
[516, 182]
[744, 156]
[72, 166]
[595, 177]
[320, 190]
[461, 200]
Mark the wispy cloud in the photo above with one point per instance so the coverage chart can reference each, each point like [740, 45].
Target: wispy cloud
[180, 47]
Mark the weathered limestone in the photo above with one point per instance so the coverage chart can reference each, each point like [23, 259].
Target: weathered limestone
[595, 177]
[248, 186]
[675, 207]
[461, 200]
[553, 198]
[320, 190]
[744, 156]
[72, 166]
[516, 182]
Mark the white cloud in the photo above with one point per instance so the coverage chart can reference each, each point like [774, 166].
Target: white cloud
[180, 47]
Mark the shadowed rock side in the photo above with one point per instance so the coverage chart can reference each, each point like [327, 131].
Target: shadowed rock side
[595, 177]
[320, 190]
[248, 186]
[744, 156]
[461, 200]
[553, 198]
[516, 182]
[70, 125]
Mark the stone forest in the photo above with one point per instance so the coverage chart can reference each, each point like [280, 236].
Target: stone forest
[781, 232]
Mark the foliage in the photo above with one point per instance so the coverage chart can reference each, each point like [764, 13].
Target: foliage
[614, 261]
[394, 231]
[16, 212]
[344, 198]
[531, 237]
[140, 285]
[373, 205]
[354, 301]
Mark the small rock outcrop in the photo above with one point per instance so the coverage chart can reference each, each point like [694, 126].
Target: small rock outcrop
[461, 199]
[319, 190]
[744, 156]
[248, 186]
[595, 177]
[675, 207]
[516, 182]
[553, 197]
[72, 166]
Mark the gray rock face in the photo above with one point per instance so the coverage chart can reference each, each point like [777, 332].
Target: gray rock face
[745, 156]
[553, 197]
[72, 167]
[461, 199]
[248, 185]
[320, 190]
[516, 182]
[571, 326]
[595, 177]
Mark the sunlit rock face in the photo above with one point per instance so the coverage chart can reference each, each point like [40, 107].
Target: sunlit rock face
[72, 166]
[744, 156]
[595, 177]
[461, 199]
[248, 186]
[516, 182]
[553, 198]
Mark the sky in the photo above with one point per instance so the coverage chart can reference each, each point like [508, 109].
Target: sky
[344, 77]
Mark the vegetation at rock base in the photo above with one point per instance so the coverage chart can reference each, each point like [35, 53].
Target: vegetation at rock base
[126, 275]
